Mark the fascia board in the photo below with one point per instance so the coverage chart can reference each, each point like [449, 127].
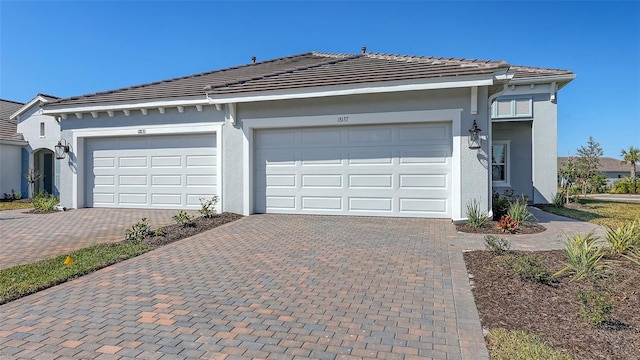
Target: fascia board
[28, 106]
[542, 79]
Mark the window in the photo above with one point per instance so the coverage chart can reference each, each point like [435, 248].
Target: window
[512, 108]
[41, 129]
[500, 163]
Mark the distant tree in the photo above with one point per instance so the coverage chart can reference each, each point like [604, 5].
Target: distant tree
[588, 165]
[631, 157]
[569, 175]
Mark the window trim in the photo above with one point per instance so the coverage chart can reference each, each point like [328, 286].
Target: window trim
[512, 114]
[42, 129]
[507, 166]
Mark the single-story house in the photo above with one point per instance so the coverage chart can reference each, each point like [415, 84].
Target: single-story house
[611, 168]
[317, 133]
[11, 145]
[42, 133]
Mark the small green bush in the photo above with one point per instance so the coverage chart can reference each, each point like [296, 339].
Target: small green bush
[559, 199]
[626, 185]
[496, 245]
[208, 207]
[595, 305]
[475, 216]
[518, 345]
[45, 202]
[519, 212]
[623, 240]
[138, 231]
[530, 268]
[183, 219]
[584, 257]
[159, 232]
[500, 203]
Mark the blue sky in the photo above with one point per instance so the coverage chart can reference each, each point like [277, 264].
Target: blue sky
[67, 48]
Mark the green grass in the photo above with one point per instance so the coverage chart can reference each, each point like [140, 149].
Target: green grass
[518, 345]
[23, 280]
[601, 212]
[14, 205]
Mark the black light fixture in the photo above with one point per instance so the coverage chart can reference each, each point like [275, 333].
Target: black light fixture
[61, 149]
[475, 142]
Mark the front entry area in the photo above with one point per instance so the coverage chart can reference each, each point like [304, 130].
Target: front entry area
[43, 172]
[374, 170]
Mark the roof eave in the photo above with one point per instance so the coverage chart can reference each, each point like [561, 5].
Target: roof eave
[562, 80]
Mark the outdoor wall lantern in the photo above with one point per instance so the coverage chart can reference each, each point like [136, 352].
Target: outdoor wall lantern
[475, 142]
[61, 149]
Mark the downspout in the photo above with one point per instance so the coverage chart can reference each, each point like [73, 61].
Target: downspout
[492, 98]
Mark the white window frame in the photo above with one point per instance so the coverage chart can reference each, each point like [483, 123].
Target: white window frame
[507, 173]
[42, 129]
[512, 114]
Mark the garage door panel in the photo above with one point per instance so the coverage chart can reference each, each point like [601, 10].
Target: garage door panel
[151, 171]
[386, 170]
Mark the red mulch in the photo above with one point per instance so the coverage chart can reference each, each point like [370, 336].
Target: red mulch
[505, 301]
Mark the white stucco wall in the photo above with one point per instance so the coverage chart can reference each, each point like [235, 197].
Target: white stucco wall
[10, 166]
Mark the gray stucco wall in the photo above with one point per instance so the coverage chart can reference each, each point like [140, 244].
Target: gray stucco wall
[10, 167]
[74, 163]
[519, 157]
[474, 163]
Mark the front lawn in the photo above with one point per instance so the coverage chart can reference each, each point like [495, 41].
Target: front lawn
[601, 212]
[14, 205]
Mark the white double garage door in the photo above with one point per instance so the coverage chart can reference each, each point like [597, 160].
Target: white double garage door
[163, 172]
[384, 170]
[380, 170]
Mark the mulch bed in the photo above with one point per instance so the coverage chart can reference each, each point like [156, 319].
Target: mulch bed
[490, 227]
[175, 232]
[505, 301]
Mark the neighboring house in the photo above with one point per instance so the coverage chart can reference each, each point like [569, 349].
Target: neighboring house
[317, 133]
[42, 133]
[611, 168]
[11, 145]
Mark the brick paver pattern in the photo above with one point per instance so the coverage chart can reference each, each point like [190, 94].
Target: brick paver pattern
[266, 286]
[26, 238]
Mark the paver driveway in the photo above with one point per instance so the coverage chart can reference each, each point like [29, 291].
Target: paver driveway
[266, 286]
[26, 238]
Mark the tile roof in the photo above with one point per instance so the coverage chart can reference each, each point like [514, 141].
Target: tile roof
[607, 164]
[313, 69]
[8, 127]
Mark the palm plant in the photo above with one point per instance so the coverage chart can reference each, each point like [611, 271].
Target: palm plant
[631, 157]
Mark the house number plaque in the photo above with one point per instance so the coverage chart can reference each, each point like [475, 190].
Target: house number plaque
[343, 119]
[142, 131]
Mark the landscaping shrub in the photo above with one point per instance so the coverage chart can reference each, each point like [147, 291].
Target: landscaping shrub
[518, 345]
[138, 231]
[559, 199]
[44, 202]
[584, 257]
[183, 219]
[496, 245]
[500, 203]
[595, 305]
[507, 224]
[475, 216]
[208, 207]
[530, 268]
[624, 239]
[626, 185]
[519, 212]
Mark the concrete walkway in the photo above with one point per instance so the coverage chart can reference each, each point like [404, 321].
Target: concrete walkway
[26, 238]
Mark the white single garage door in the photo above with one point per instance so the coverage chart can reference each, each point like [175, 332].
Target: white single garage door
[163, 172]
[382, 170]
